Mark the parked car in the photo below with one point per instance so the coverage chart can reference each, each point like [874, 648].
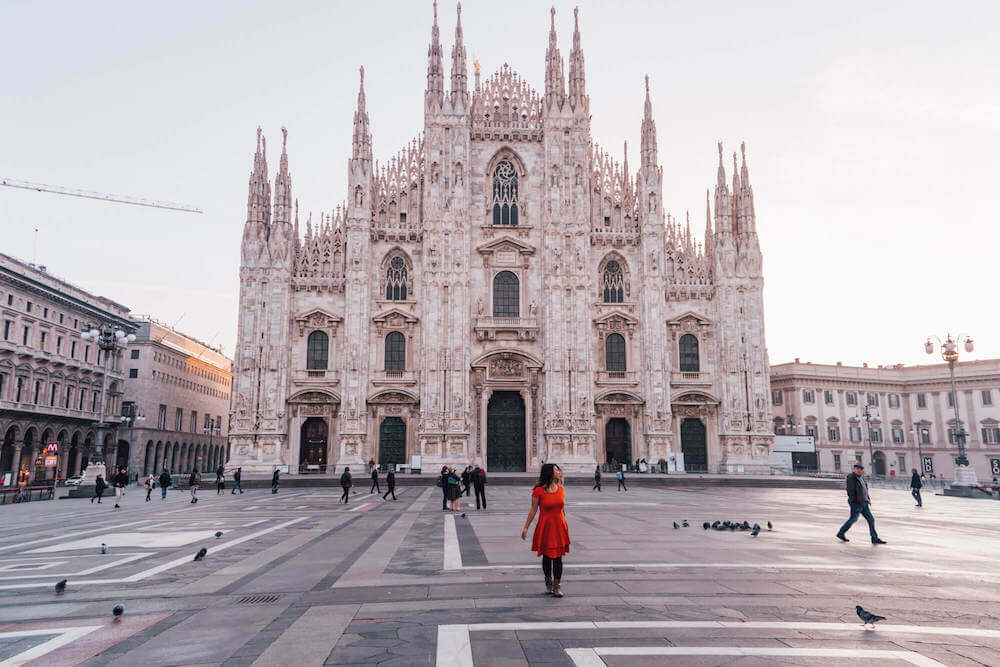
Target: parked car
[74, 481]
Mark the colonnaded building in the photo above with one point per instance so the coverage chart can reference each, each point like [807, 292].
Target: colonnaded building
[502, 291]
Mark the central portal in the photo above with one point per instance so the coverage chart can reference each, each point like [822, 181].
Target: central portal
[694, 445]
[391, 443]
[617, 442]
[505, 442]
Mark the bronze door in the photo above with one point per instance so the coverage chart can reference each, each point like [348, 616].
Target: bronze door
[505, 438]
[694, 445]
[617, 441]
[391, 442]
[314, 437]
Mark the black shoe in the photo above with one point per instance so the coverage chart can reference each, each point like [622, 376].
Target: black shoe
[842, 537]
[878, 540]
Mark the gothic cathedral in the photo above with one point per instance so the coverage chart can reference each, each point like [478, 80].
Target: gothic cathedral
[500, 291]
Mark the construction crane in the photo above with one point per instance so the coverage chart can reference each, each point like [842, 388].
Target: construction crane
[101, 196]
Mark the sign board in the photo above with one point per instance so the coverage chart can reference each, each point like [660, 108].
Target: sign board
[928, 464]
[50, 461]
[6, 479]
[415, 462]
[995, 466]
[794, 443]
[52, 448]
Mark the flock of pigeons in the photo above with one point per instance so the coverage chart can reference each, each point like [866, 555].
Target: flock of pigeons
[731, 526]
[867, 617]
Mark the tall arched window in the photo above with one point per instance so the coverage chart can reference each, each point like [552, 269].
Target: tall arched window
[614, 353]
[688, 349]
[395, 280]
[613, 283]
[317, 350]
[505, 194]
[395, 352]
[506, 295]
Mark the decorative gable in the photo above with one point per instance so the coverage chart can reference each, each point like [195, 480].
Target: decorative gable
[505, 251]
[317, 318]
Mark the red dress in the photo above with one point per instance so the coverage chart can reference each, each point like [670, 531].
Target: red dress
[551, 532]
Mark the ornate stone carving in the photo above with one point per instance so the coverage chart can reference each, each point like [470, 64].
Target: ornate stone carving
[506, 367]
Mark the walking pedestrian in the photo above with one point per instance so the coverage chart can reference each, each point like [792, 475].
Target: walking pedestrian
[237, 477]
[220, 481]
[165, 479]
[120, 480]
[859, 501]
[443, 483]
[346, 482]
[275, 479]
[99, 486]
[915, 485]
[479, 485]
[597, 478]
[149, 486]
[620, 476]
[390, 483]
[375, 486]
[193, 481]
[551, 538]
[454, 488]
[466, 481]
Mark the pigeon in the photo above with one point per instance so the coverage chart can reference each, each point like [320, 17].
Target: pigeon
[676, 526]
[201, 553]
[118, 611]
[867, 616]
[60, 587]
[104, 548]
[685, 523]
[218, 533]
[706, 525]
[463, 515]
[769, 526]
[744, 526]
[755, 531]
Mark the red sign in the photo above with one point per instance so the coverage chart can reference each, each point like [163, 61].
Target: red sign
[52, 448]
[50, 461]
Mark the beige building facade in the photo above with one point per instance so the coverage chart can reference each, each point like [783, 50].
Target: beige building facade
[502, 290]
[911, 415]
[51, 379]
[177, 393]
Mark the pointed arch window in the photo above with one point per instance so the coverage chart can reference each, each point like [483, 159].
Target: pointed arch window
[395, 280]
[395, 351]
[505, 194]
[688, 353]
[506, 295]
[613, 283]
[317, 351]
[614, 353]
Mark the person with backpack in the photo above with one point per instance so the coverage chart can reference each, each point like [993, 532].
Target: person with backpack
[390, 482]
[466, 479]
[149, 487]
[120, 480]
[597, 478]
[99, 486]
[454, 488]
[193, 481]
[275, 478]
[479, 485]
[915, 485]
[375, 486]
[237, 477]
[621, 480]
[346, 482]
[165, 480]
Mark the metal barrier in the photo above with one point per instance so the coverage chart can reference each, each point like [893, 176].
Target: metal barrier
[24, 494]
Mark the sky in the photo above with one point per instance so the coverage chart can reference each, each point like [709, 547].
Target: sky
[872, 132]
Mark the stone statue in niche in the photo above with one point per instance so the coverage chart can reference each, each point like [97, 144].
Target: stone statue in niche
[480, 306]
[531, 309]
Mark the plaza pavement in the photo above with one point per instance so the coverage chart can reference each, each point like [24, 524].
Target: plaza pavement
[298, 579]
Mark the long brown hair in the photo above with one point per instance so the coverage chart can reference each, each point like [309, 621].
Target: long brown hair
[546, 475]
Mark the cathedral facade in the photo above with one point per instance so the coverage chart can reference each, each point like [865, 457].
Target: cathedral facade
[500, 291]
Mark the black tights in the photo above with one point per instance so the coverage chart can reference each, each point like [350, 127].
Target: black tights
[552, 567]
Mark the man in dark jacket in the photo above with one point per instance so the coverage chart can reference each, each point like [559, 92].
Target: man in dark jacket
[859, 501]
[915, 485]
[390, 482]
[346, 482]
[237, 478]
[375, 486]
[479, 485]
[99, 486]
[275, 480]
[466, 479]
[120, 480]
[443, 483]
[165, 480]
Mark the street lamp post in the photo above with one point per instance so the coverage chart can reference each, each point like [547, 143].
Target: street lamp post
[920, 452]
[964, 473]
[867, 415]
[109, 340]
[212, 428]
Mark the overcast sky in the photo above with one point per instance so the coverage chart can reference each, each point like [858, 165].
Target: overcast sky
[872, 131]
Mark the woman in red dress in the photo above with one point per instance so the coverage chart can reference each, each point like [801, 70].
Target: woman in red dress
[551, 538]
